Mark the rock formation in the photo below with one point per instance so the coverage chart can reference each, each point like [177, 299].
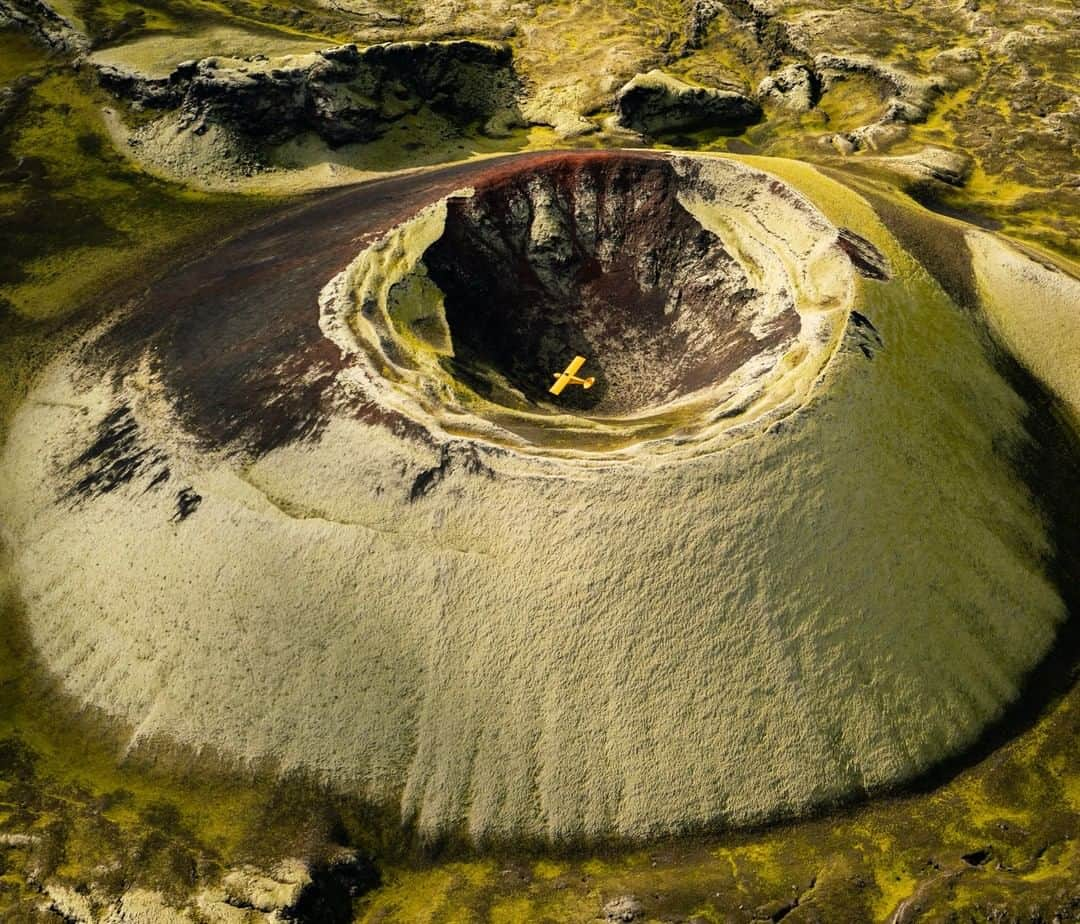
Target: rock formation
[795, 87]
[657, 102]
[293, 891]
[38, 19]
[342, 94]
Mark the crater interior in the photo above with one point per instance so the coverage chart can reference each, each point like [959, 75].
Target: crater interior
[682, 283]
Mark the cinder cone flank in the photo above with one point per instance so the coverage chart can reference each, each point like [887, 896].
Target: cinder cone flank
[779, 555]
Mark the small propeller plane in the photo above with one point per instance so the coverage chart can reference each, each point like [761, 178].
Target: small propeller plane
[569, 377]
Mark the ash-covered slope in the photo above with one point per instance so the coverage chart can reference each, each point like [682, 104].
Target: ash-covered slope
[318, 511]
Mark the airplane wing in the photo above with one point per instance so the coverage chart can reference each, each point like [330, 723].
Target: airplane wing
[560, 383]
[576, 363]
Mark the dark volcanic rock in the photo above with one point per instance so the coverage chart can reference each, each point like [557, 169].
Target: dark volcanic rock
[147, 92]
[13, 97]
[657, 102]
[864, 256]
[342, 94]
[531, 265]
[702, 13]
[116, 456]
[328, 898]
[44, 25]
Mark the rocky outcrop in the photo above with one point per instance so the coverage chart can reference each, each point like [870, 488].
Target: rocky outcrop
[623, 910]
[14, 96]
[794, 87]
[702, 13]
[910, 101]
[295, 890]
[953, 168]
[43, 24]
[769, 29]
[136, 906]
[249, 887]
[657, 102]
[343, 94]
[913, 97]
[17, 840]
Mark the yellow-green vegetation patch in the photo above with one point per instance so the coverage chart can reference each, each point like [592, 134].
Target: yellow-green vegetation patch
[18, 55]
[850, 102]
[425, 897]
[80, 215]
[299, 18]
[894, 884]
[115, 22]
[158, 53]
[512, 911]
[76, 217]
[107, 21]
[548, 869]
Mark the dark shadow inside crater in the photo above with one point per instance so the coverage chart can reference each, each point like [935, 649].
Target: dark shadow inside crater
[592, 256]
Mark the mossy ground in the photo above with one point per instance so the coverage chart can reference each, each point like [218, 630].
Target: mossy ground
[79, 222]
[112, 22]
[1010, 108]
[157, 54]
[78, 215]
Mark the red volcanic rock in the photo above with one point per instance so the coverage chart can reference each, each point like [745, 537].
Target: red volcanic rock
[594, 256]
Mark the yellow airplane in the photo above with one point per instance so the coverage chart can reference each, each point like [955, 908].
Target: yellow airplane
[562, 379]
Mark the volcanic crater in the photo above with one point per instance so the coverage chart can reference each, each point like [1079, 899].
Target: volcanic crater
[597, 258]
[687, 285]
[495, 614]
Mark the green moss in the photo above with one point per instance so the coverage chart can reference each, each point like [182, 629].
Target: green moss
[78, 219]
[546, 869]
[420, 897]
[77, 212]
[18, 56]
[110, 22]
[158, 53]
[852, 100]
